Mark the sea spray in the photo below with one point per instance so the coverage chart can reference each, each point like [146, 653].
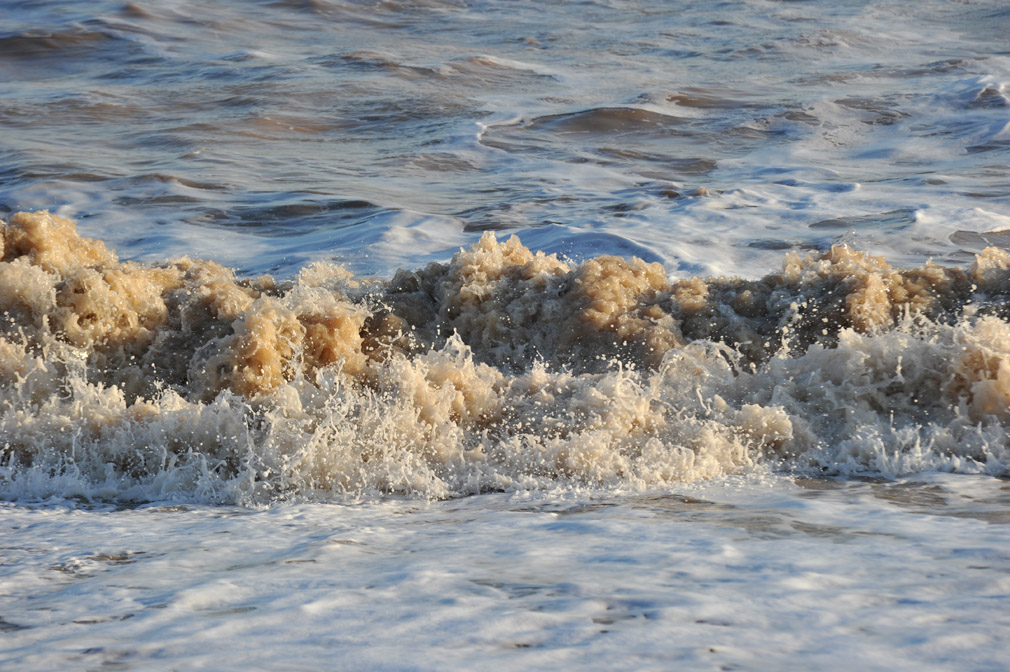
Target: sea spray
[502, 369]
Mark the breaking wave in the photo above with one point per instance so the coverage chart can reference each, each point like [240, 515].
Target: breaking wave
[502, 369]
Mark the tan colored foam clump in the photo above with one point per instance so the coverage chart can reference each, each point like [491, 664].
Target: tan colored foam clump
[875, 294]
[982, 371]
[193, 326]
[113, 310]
[497, 296]
[188, 324]
[26, 296]
[273, 342]
[991, 270]
[879, 294]
[449, 389]
[514, 307]
[52, 243]
[13, 363]
[262, 351]
[256, 342]
[617, 300]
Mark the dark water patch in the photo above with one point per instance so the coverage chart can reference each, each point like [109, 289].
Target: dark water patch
[103, 619]
[934, 500]
[115, 559]
[442, 162]
[175, 180]
[762, 524]
[33, 44]
[878, 111]
[72, 569]
[993, 517]
[70, 173]
[231, 611]
[976, 241]
[891, 220]
[911, 495]
[567, 508]
[713, 98]
[675, 503]
[315, 7]
[7, 626]
[662, 167]
[989, 146]
[289, 211]
[67, 50]
[163, 200]
[135, 10]
[651, 144]
[488, 217]
[779, 244]
[990, 97]
[573, 136]
[801, 116]
[609, 121]
[274, 219]
[757, 523]
[903, 72]
[108, 659]
[624, 208]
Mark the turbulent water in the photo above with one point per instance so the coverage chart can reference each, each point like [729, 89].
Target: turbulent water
[502, 369]
[605, 334]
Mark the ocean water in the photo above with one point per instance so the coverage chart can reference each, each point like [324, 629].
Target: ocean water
[279, 389]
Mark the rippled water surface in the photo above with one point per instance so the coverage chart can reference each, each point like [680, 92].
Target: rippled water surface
[710, 136]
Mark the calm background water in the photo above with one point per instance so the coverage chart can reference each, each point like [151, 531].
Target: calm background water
[387, 133]
[709, 136]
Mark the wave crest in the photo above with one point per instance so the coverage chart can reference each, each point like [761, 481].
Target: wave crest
[501, 369]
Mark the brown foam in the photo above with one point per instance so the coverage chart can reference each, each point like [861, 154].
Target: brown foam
[501, 368]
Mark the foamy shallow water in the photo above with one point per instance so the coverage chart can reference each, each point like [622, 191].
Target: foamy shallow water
[611, 464]
[753, 574]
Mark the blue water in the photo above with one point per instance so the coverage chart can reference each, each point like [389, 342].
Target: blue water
[387, 133]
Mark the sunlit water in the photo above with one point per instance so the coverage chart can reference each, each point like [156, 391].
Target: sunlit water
[382, 134]
[828, 509]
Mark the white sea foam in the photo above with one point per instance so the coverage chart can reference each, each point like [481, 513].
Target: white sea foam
[758, 572]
